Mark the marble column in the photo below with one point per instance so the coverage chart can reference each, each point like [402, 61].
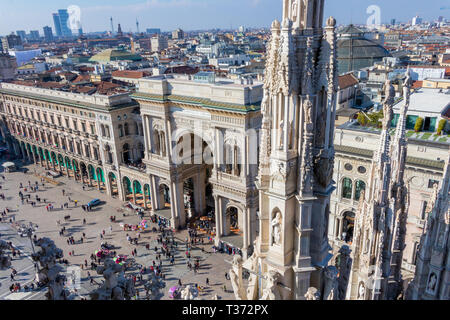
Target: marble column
[98, 180]
[153, 194]
[246, 231]
[217, 219]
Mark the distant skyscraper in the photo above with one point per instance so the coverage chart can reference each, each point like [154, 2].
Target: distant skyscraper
[153, 31]
[22, 34]
[393, 22]
[178, 34]
[10, 42]
[60, 20]
[64, 18]
[57, 25]
[440, 19]
[48, 34]
[137, 25]
[112, 25]
[80, 32]
[34, 35]
[119, 31]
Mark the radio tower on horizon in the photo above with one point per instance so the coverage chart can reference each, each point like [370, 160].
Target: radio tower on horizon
[137, 25]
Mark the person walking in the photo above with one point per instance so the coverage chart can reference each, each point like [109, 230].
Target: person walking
[207, 281]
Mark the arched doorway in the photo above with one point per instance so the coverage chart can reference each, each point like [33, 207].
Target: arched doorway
[47, 158]
[147, 197]
[164, 192]
[232, 221]
[92, 176]
[35, 154]
[348, 223]
[188, 194]
[100, 178]
[193, 152]
[359, 187]
[347, 188]
[138, 193]
[76, 170]
[68, 166]
[41, 156]
[113, 184]
[54, 160]
[84, 173]
[61, 164]
[126, 153]
[30, 153]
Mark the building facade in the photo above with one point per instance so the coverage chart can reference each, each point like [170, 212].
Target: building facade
[48, 34]
[77, 135]
[136, 147]
[432, 276]
[201, 144]
[8, 66]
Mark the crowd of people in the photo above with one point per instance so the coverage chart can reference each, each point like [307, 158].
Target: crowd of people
[164, 255]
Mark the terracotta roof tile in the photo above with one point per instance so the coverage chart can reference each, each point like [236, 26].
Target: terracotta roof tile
[130, 74]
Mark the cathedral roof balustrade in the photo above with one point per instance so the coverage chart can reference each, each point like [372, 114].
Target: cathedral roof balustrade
[411, 161]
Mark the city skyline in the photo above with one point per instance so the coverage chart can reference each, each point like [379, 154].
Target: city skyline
[199, 14]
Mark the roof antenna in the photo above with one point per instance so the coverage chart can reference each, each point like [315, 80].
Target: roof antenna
[351, 13]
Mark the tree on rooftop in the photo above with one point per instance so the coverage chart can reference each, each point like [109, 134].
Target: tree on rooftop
[441, 126]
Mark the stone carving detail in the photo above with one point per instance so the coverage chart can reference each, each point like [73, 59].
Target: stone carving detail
[361, 291]
[344, 264]
[296, 59]
[154, 286]
[5, 261]
[251, 264]
[330, 291]
[115, 286]
[237, 279]
[49, 270]
[432, 282]
[312, 294]
[323, 170]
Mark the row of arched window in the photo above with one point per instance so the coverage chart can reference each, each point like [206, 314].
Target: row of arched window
[125, 130]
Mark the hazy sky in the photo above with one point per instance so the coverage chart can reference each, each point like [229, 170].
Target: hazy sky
[198, 14]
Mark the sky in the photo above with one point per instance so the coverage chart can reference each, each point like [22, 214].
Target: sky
[199, 14]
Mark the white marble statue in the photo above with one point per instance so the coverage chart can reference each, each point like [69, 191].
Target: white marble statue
[237, 279]
[189, 293]
[272, 290]
[361, 291]
[312, 294]
[432, 283]
[5, 261]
